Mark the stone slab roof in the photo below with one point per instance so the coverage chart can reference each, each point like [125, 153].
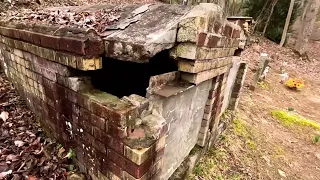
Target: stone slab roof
[125, 32]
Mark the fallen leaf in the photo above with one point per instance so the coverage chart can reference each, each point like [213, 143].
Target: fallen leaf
[32, 178]
[11, 157]
[282, 173]
[4, 174]
[4, 116]
[61, 150]
[19, 143]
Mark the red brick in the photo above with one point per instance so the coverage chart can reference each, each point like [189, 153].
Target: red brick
[25, 36]
[213, 41]
[99, 146]
[85, 115]
[112, 167]
[51, 42]
[98, 122]
[49, 74]
[16, 33]
[116, 131]
[62, 80]
[6, 31]
[53, 115]
[72, 45]
[75, 109]
[129, 166]
[78, 98]
[50, 94]
[236, 33]
[212, 94]
[105, 112]
[64, 107]
[159, 154]
[164, 130]
[227, 30]
[99, 134]
[88, 139]
[49, 84]
[62, 91]
[136, 133]
[201, 39]
[93, 47]
[86, 126]
[36, 38]
[217, 27]
[114, 144]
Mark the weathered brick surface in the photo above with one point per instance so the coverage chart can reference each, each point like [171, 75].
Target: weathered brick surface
[79, 118]
[202, 65]
[67, 59]
[91, 46]
[109, 140]
[203, 76]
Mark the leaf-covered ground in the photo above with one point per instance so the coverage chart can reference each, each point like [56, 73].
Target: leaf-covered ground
[25, 151]
[260, 145]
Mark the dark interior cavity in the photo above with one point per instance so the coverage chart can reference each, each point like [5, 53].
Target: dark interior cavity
[238, 52]
[123, 78]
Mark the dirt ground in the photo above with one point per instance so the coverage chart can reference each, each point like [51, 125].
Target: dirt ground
[258, 146]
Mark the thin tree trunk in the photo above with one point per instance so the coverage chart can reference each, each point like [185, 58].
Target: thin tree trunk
[286, 26]
[259, 17]
[269, 17]
[240, 7]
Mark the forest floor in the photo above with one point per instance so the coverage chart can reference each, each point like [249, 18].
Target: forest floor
[258, 145]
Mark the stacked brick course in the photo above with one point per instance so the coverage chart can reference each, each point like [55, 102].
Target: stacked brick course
[78, 116]
[121, 138]
[205, 51]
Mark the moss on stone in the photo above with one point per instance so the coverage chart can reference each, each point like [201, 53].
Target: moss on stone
[106, 99]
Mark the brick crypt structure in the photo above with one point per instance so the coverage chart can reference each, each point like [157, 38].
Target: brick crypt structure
[133, 98]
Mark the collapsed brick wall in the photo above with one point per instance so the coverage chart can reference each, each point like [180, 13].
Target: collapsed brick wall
[133, 137]
[84, 120]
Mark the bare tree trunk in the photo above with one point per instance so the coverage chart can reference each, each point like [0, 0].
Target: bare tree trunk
[269, 17]
[259, 17]
[307, 22]
[286, 26]
[240, 7]
[224, 4]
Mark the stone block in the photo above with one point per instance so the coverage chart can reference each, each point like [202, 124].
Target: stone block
[193, 52]
[88, 64]
[203, 76]
[202, 65]
[200, 19]
[138, 156]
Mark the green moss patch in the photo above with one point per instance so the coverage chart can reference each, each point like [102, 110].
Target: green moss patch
[290, 118]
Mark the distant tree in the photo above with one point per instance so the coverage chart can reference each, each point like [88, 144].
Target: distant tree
[286, 26]
[261, 9]
[273, 4]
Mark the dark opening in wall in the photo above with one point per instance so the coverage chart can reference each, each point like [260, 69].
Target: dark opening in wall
[123, 78]
[238, 52]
